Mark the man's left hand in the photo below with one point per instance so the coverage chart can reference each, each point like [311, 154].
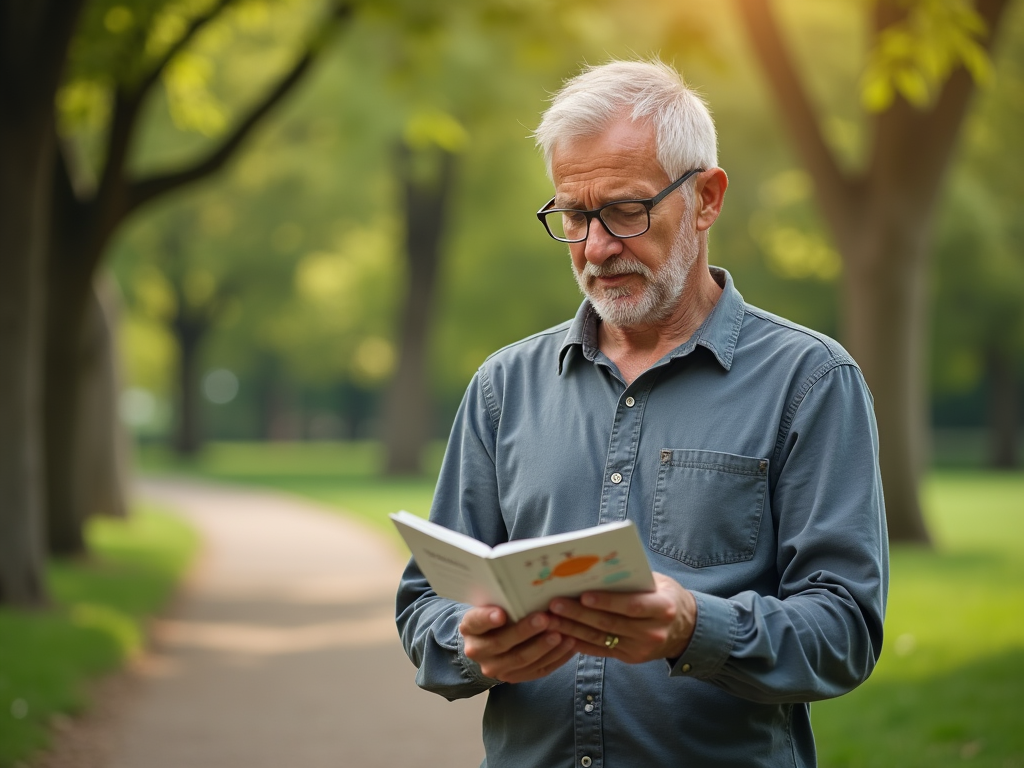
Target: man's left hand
[648, 625]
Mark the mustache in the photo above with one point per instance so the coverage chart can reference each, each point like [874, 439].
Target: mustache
[615, 266]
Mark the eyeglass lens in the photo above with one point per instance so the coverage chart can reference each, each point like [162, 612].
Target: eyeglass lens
[621, 219]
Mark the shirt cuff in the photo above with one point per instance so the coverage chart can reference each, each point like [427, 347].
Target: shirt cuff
[713, 637]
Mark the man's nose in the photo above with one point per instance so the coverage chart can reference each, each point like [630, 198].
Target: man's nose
[600, 243]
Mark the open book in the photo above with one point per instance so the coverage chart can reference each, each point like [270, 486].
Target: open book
[524, 575]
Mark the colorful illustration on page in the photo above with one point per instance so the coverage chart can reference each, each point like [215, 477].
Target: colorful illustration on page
[572, 564]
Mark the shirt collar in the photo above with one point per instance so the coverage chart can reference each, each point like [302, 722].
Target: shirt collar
[718, 333]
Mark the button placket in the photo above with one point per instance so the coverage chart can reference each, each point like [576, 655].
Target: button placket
[621, 456]
[587, 719]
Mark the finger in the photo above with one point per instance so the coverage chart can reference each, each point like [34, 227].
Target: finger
[506, 638]
[601, 649]
[478, 621]
[546, 664]
[530, 652]
[516, 662]
[596, 636]
[588, 623]
[487, 649]
[635, 605]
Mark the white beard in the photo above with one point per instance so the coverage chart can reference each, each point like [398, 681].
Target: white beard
[656, 299]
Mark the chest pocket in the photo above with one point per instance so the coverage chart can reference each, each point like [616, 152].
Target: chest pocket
[708, 506]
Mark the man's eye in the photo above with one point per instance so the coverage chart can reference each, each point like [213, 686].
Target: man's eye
[628, 211]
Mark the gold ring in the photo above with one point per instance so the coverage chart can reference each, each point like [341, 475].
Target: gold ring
[610, 641]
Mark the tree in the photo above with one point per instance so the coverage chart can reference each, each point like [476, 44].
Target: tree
[43, 191]
[34, 39]
[881, 215]
[407, 409]
[118, 45]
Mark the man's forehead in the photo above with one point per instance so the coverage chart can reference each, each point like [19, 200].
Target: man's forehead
[615, 164]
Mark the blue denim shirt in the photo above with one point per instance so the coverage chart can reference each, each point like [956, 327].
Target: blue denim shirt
[748, 459]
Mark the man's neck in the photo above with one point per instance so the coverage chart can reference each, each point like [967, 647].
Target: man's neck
[634, 349]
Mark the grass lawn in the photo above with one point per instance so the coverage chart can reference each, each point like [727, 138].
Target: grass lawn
[96, 624]
[949, 688]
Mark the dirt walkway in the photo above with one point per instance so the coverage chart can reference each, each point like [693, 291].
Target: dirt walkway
[282, 651]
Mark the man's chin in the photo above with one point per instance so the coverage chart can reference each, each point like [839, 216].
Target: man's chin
[619, 311]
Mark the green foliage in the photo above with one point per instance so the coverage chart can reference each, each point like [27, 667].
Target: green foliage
[295, 252]
[48, 657]
[978, 288]
[212, 57]
[915, 56]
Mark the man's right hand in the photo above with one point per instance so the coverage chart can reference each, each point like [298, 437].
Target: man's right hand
[513, 653]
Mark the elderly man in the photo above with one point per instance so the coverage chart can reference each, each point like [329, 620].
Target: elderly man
[741, 445]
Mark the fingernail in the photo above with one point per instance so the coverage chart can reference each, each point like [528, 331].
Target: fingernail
[537, 621]
[553, 640]
[589, 600]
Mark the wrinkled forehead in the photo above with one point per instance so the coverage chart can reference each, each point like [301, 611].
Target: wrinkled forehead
[618, 124]
[617, 164]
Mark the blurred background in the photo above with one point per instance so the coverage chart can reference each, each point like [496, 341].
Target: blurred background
[269, 300]
[277, 237]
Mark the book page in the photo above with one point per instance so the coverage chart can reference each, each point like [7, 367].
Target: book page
[612, 559]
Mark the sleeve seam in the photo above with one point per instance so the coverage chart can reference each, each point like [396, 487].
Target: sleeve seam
[791, 411]
[493, 411]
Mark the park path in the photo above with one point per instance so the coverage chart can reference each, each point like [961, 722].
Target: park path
[281, 651]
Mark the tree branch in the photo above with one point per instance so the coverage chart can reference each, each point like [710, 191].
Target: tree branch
[834, 188]
[197, 24]
[109, 202]
[143, 190]
[914, 146]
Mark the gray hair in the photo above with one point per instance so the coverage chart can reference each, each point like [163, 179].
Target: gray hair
[648, 91]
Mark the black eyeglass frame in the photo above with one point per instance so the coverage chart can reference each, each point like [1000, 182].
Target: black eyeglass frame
[647, 203]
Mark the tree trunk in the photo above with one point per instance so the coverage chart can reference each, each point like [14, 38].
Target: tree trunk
[880, 218]
[1003, 410]
[884, 329]
[34, 38]
[406, 426]
[102, 471]
[69, 295]
[26, 141]
[189, 333]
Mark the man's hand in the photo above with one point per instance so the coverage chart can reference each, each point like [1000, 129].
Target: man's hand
[526, 650]
[648, 625]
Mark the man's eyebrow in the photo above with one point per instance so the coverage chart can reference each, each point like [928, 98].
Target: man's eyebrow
[633, 193]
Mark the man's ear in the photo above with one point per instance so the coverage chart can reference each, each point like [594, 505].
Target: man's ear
[711, 186]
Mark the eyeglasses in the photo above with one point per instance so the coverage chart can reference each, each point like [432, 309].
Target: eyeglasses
[622, 218]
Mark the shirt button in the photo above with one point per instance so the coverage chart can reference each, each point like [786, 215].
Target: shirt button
[686, 667]
[585, 761]
[588, 708]
[616, 478]
[630, 402]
